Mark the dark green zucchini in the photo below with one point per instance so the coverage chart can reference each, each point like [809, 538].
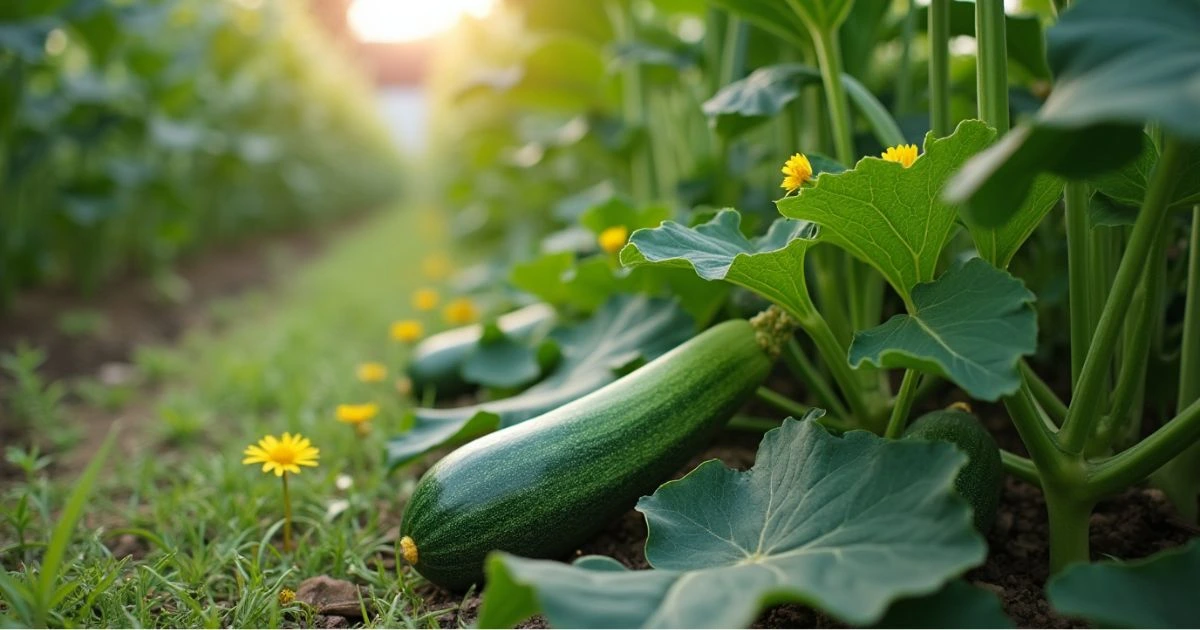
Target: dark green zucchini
[980, 481]
[541, 488]
[437, 361]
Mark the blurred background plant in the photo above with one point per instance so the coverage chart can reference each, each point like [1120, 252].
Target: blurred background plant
[133, 133]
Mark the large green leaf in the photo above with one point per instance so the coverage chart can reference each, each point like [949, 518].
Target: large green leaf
[1157, 592]
[970, 326]
[771, 265]
[1117, 65]
[998, 245]
[957, 605]
[771, 16]
[499, 360]
[1127, 185]
[890, 216]
[746, 103]
[847, 525]
[623, 333]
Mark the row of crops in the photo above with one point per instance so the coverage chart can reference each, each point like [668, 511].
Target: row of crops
[132, 133]
[996, 211]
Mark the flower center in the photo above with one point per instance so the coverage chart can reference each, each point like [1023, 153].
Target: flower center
[283, 454]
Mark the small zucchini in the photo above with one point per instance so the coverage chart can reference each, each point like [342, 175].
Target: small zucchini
[541, 488]
[981, 480]
[437, 361]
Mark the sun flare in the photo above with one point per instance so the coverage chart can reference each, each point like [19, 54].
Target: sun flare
[392, 21]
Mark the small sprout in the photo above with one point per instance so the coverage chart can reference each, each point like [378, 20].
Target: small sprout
[358, 415]
[286, 596]
[407, 330]
[282, 456]
[408, 550]
[426, 299]
[460, 311]
[612, 239]
[796, 172]
[904, 154]
[371, 372]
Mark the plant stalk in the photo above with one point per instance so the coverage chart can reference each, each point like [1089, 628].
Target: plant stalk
[939, 67]
[829, 58]
[1140, 460]
[1076, 202]
[992, 83]
[816, 383]
[903, 404]
[287, 515]
[781, 402]
[1085, 411]
[1042, 393]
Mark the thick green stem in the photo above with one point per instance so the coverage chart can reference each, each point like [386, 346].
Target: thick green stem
[1139, 461]
[1042, 393]
[903, 404]
[1032, 426]
[1020, 467]
[904, 70]
[641, 167]
[1084, 412]
[1076, 202]
[993, 63]
[1189, 358]
[1069, 526]
[829, 57]
[815, 382]
[1136, 354]
[939, 67]
[781, 402]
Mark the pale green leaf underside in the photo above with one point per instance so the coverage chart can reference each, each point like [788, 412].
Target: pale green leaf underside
[847, 525]
[889, 216]
[771, 265]
[1158, 592]
[626, 329]
[970, 326]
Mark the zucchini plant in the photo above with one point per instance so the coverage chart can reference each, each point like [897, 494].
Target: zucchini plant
[934, 265]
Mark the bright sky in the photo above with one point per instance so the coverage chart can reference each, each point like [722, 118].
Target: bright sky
[383, 21]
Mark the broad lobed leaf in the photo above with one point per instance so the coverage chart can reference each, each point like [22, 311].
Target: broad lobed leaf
[972, 325]
[847, 525]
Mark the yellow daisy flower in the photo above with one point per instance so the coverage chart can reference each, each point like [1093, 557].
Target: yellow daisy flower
[280, 455]
[613, 239]
[425, 299]
[904, 154]
[407, 330]
[357, 414]
[796, 172]
[371, 372]
[459, 312]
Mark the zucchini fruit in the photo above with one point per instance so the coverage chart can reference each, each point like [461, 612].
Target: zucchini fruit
[980, 481]
[541, 488]
[437, 361]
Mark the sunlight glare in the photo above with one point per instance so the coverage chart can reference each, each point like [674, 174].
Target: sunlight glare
[392, 21]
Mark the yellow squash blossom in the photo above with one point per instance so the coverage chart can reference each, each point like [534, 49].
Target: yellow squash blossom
[407, 330]
[425, 299]
[372, 372]
[357, 414]
[282, 455]
[796, 172]
[613, 239]
[904, 154]
[460, 311]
